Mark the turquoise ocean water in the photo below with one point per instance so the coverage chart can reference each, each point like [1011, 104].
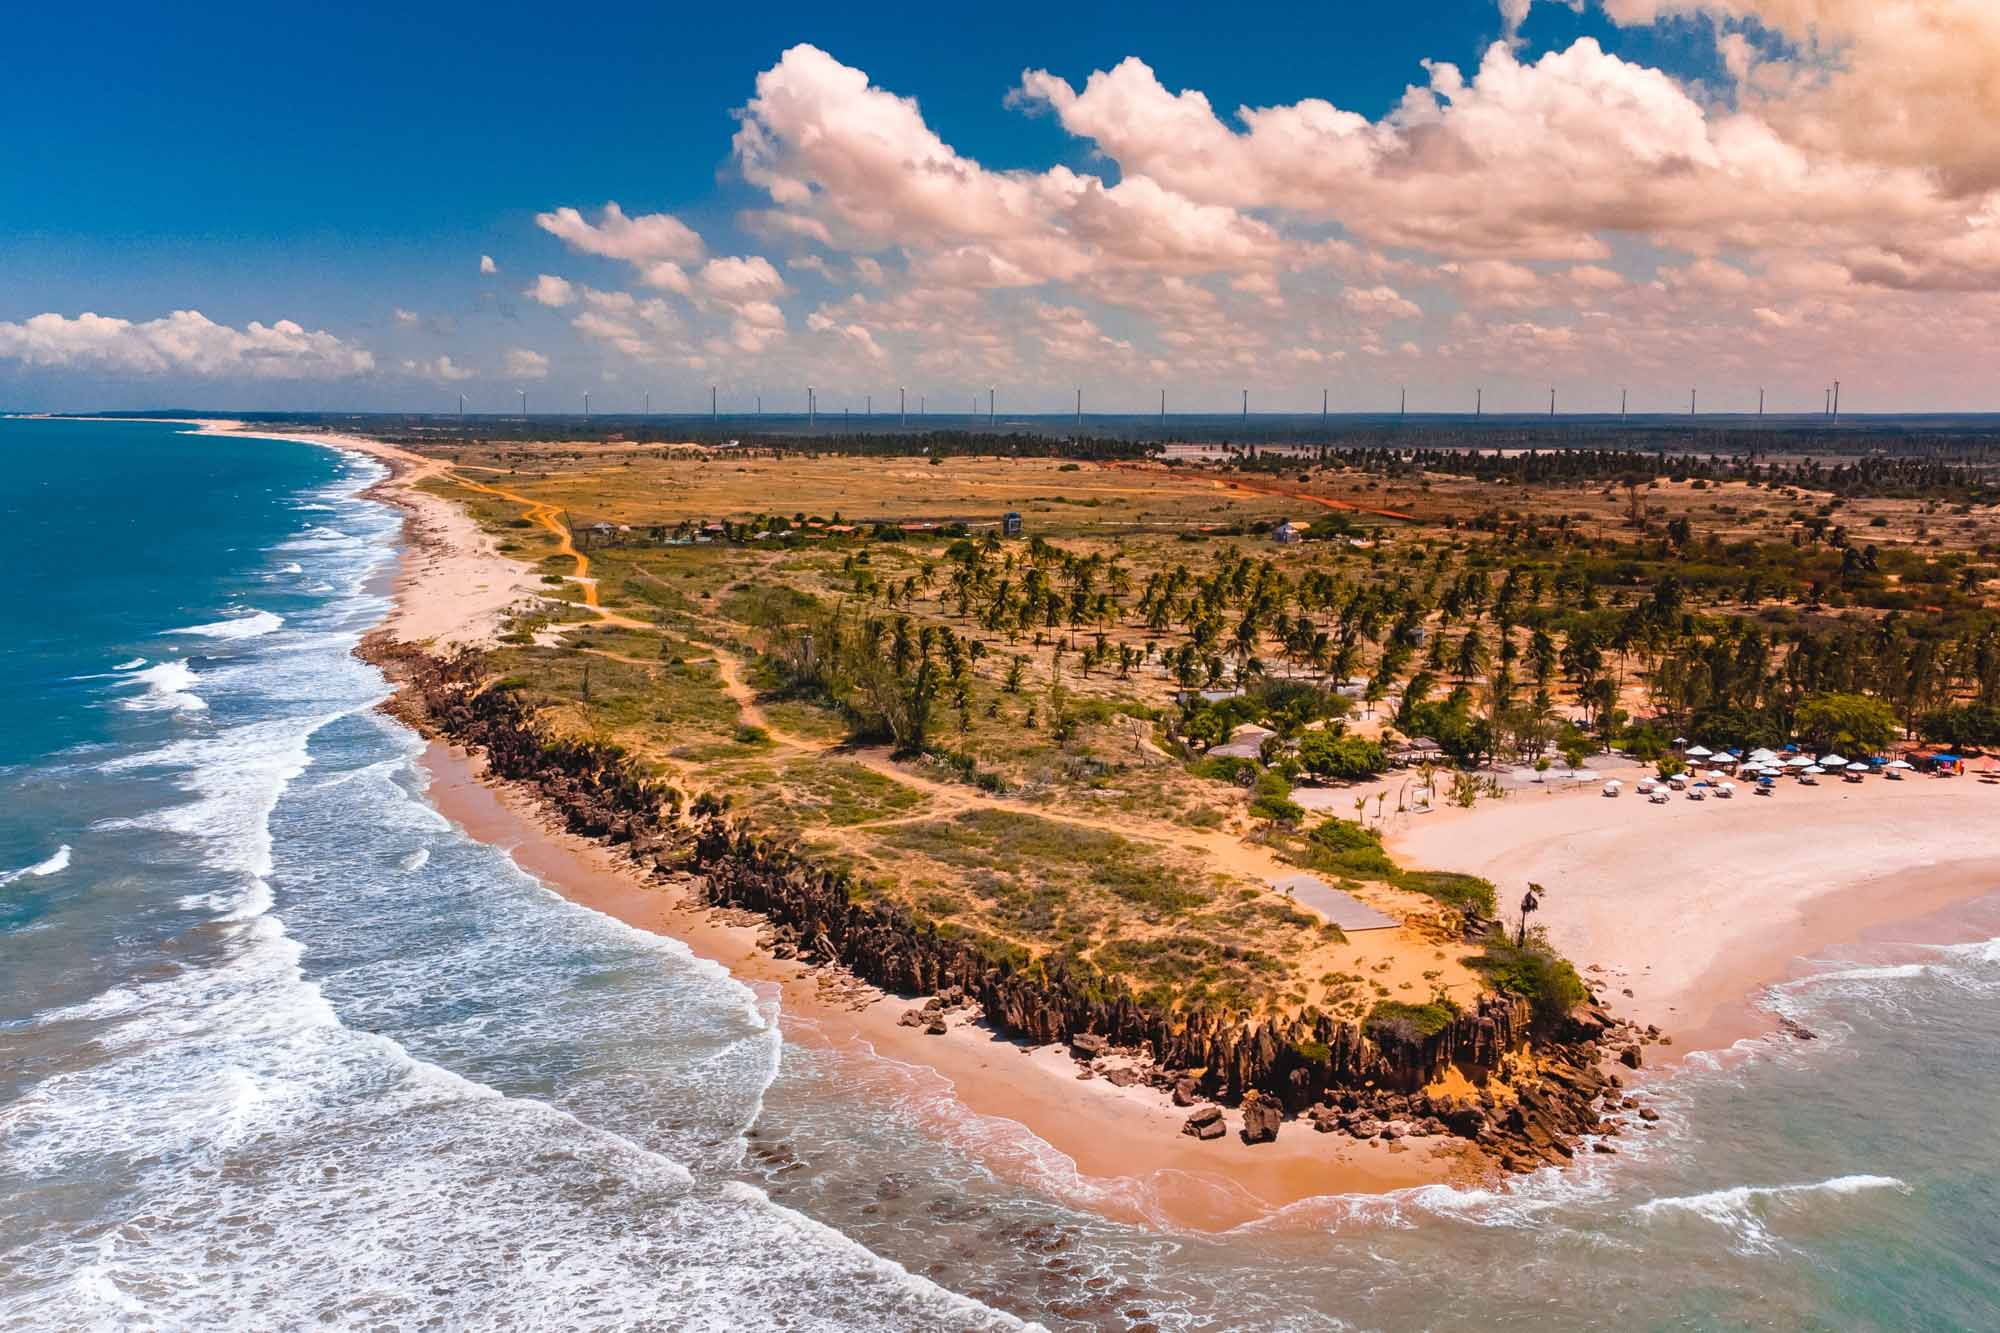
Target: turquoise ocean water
[280, 1047]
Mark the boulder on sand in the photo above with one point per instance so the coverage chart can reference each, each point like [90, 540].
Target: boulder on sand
[1088, 1045]
[1205, 1123]
[1261, 1118]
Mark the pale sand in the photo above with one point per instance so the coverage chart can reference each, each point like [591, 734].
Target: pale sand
[1696, 907]
[454, 588]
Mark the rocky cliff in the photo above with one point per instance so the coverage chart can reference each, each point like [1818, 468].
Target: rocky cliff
[1310, 1063]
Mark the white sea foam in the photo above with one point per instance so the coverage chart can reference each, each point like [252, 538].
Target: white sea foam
[235, 778]
[1982, 951]
[54, 865]
[169, 686]
[1744, 1209]
[236, 627]
[415, 861]
[292, 567]
[132, 665]
[286, 1169]
[1894, 972]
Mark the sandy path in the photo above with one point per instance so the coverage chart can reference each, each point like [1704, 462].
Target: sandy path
[1348, 506]
[1224, 851]
[546, 516]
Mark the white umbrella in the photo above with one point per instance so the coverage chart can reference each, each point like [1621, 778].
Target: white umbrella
[1815, 768]
[1903, 764]
[1797, 761]
[1680, 740]
[1832, 761]
[1857, 767]
[1699, 752]
[1717, 773]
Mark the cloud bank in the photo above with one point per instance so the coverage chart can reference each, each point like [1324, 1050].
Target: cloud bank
[185, 342]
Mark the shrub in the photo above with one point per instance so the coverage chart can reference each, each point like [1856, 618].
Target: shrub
[1391, 1022]
[1341, 758]
[1534, 970]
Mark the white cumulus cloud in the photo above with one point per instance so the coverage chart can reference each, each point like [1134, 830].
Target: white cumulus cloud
[185, 342]
[524, 363]
[549, 290]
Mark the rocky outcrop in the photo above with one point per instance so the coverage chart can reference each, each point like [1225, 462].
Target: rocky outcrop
[1276, 1066]
[1261, 1117]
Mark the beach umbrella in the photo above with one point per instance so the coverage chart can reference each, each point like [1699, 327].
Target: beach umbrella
[1814, 768]
[1857, 768]
[1680, 740]
[1699, 752]
[1903, 764]
[1832, 761]
[1797, 761]
[1717, 773]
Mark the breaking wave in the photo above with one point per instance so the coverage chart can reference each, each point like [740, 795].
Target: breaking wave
[236, 627]
[169, 686]
[54, 865]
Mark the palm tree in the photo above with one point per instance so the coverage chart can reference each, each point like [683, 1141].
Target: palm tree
[1530, 901]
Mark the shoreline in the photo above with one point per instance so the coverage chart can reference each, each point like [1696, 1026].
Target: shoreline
[1123, 1153]
[1121, 1150]
[1687, 915]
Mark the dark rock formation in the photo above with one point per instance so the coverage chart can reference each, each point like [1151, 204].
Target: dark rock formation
[1261, 1117]
[1283, 1065]
[1205, 1123]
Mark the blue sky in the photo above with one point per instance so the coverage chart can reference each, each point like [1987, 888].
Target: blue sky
[351, 161]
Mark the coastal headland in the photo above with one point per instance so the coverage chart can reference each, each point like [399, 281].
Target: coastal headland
[1677, 917]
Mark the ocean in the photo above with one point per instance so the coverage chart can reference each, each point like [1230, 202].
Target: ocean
[281, 1047]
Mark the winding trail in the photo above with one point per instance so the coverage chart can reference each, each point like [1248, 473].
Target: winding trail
[1222, 851]
[544, 514]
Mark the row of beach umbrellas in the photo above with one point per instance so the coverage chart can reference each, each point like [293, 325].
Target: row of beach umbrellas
[1767, 763]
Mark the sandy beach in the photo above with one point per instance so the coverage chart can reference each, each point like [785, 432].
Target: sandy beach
[1679, 915]
[453, 587]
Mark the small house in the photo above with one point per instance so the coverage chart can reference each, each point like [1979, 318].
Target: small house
[1286, 533]
[1010, 524]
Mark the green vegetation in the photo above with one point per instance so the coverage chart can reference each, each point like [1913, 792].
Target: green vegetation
[1392, 1022]
[1532, 968]
[1852, 722]
[1340, 758]
[1343, 847]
